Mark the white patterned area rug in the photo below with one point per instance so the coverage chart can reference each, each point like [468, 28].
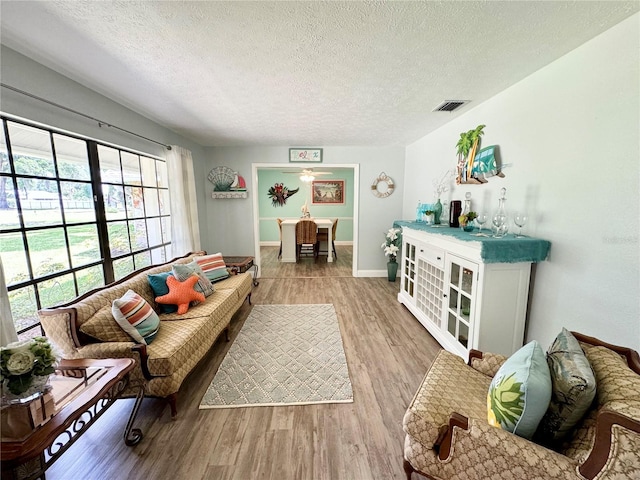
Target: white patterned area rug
[284, 355]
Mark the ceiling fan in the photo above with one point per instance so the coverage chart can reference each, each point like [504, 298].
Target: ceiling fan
[308, 171]
[308, 174]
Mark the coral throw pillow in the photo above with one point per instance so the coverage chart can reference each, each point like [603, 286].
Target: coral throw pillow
[158, 283]
[520, 392]
[181, 293]
[136, 317]
[213, 266]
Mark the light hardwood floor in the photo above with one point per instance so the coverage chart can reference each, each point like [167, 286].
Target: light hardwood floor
[306, 266]
[388, 353]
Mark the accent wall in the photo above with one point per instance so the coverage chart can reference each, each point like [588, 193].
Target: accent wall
[269, 233]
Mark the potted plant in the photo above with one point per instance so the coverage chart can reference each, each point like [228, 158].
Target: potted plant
[25, 368]
[466, 221]
[391, 248]
[429, 216]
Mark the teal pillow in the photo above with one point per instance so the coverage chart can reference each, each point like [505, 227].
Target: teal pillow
[158, 283]
[573, 388]
[520, 392]
[184, 271]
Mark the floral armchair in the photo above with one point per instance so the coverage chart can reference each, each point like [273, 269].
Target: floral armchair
[449, 437]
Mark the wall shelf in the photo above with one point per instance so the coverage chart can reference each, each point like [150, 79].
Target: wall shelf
[229, 194]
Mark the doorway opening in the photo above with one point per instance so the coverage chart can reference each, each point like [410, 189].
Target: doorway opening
[291, 173]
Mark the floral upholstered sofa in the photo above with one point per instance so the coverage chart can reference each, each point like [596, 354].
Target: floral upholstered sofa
[449, 435]
[86, 328]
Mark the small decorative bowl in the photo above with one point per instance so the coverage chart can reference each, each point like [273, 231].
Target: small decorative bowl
[468, 227]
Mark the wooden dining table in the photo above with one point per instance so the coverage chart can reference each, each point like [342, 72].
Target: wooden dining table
[289, 237]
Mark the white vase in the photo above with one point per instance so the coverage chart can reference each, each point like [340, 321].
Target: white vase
[39, 385]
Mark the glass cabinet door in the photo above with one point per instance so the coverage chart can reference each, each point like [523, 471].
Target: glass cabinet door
[409, 268]
[430, 290]
[460, 294]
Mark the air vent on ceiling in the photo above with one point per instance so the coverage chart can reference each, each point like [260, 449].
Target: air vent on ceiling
[450, 105]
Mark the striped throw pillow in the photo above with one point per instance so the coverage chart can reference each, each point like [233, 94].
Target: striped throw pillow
[213, 266]
[136, 317]
[184, 271]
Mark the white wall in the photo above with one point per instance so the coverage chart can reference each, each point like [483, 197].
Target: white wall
[230, 221]
[571, 133]
[25, 74]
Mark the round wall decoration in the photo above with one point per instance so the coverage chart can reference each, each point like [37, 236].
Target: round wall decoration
[382, 186]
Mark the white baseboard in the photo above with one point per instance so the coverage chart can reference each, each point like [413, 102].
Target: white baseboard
[371, 273]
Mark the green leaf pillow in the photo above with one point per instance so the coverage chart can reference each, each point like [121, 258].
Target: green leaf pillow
[520, 392]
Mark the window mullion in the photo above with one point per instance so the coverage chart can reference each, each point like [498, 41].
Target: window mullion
[65, 232]
[23, 233]
[101, 217]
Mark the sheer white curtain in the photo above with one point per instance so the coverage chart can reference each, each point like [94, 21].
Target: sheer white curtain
[185, 231]
[8, 332]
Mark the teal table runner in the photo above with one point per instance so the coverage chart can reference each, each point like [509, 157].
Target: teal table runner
[507, 249]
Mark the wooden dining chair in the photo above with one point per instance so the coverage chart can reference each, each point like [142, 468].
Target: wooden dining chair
[279, 220]
[306, 238]
[323, 236]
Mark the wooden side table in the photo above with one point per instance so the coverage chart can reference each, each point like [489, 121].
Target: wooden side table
[241, 265]
[82, 390]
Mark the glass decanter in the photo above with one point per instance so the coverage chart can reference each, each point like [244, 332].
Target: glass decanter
[499, 219]
[467, 204]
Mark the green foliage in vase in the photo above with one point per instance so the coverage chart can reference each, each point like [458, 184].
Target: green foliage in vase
[20, 362]
[468, 217]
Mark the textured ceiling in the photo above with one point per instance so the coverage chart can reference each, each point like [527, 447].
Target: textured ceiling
[300, 73]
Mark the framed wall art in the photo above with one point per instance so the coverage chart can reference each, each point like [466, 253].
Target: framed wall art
[305, 155]
[327, 192]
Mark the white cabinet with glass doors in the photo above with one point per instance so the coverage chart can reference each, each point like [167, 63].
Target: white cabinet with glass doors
[462, 301]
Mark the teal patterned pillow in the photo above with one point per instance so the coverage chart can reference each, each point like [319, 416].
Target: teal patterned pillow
[519, 393]
[573, 388]
[184, 271]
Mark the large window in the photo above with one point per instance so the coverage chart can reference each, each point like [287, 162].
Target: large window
[74, 215]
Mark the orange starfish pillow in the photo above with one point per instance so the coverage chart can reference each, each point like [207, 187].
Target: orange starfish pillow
[181, 293]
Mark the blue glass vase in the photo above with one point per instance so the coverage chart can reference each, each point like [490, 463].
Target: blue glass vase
[437, 212]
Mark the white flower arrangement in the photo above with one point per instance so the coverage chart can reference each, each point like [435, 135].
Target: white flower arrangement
[23, 364]
[390, 245]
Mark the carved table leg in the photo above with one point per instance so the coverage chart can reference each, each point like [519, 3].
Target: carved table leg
[132, 436]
